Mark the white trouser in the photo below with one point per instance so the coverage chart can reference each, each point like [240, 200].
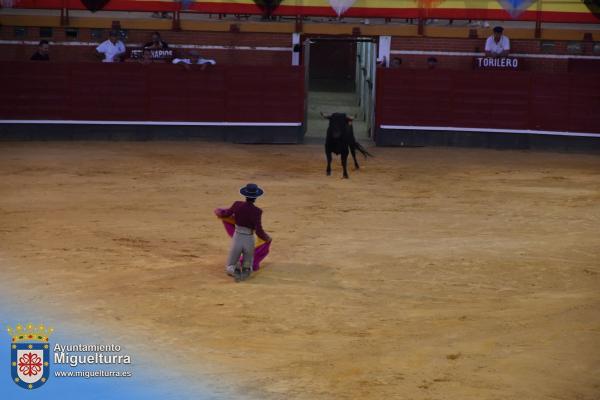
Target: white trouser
[242, 244]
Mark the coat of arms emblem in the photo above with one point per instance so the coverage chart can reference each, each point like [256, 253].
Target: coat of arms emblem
[30, 355]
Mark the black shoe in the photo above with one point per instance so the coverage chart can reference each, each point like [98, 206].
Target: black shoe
[237, 274]
[245, 273]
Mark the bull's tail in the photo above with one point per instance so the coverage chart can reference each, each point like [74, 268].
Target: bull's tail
[364, 151]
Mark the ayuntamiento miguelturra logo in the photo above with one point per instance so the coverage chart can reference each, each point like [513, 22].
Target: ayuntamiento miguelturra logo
[30, 355]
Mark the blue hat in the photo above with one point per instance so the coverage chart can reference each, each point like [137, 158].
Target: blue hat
[251, 190]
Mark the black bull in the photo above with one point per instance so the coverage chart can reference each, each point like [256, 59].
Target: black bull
[340, 140]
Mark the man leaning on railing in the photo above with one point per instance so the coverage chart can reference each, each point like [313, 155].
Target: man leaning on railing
[43, 52]
[497, 45]
[113, 50]
[157, 43]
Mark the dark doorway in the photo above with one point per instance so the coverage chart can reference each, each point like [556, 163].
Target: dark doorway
[332, 65]
[339, 77]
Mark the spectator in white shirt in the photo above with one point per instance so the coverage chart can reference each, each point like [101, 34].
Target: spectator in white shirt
[112, 49]
[497, 45]
[194, 58]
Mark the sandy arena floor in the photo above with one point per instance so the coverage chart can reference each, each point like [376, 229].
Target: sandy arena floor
[430, 274]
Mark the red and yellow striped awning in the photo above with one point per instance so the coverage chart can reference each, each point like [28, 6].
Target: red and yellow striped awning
[575, 11]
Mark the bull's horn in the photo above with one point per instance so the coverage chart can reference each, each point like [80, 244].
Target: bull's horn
[325, 116]
[350, 117]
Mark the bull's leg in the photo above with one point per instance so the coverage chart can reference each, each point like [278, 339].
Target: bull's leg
[344, 163]
[328, 154]
[353, 152]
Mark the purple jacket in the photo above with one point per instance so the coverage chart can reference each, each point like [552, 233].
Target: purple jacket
[248, 215]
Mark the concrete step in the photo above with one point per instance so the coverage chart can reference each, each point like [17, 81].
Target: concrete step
[330, 102]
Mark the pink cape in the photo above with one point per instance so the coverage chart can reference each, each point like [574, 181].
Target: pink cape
[261, 248]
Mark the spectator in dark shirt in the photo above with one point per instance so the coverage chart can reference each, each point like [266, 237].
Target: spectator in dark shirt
[157, 43]
[396, 62]
[432, 63]
[42, 53]
[247, 221]
[146, 57]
